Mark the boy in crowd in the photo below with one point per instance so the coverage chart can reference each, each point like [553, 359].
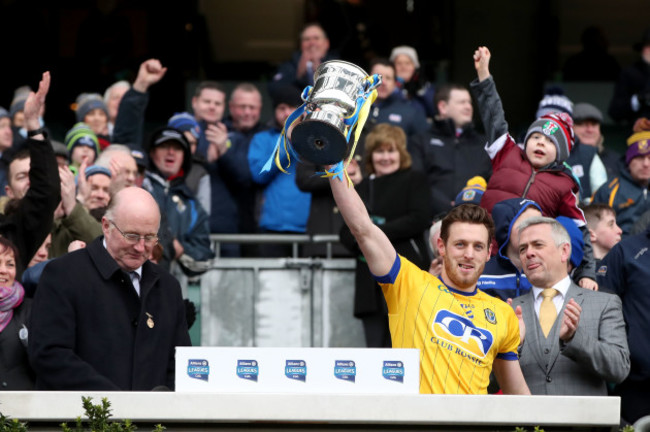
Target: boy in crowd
[536, 171]
[604, 233]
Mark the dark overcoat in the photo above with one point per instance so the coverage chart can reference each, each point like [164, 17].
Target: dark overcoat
[91, 331]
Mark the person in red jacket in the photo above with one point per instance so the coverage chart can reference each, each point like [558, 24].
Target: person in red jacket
[535, 170]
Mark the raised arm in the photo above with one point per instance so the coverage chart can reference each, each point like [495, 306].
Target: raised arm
[482, 58]
[129, 124]
[32, 222]
[375, 246]
[487, 98]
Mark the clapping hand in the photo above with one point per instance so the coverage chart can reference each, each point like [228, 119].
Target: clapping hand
[570, 320]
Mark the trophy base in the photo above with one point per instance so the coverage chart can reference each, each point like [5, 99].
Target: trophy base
[319, 142]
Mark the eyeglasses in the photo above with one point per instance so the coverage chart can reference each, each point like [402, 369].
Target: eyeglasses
[134, 238]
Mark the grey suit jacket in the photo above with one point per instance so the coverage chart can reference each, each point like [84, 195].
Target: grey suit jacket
[597, 354]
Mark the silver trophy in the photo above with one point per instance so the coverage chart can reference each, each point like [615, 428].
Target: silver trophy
[332, 108]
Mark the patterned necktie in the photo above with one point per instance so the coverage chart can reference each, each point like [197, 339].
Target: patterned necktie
[547, 311]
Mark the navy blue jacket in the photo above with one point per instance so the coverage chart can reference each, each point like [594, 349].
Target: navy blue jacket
[580, 159]
[500, 277]
[232, 187]
[625, 271]
[186, 218]
[628, 198]
[286, 73]
[399, 112]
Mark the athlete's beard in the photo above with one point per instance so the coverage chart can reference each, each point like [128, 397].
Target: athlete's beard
[461, 282]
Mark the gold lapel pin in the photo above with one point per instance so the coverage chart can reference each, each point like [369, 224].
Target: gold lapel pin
[150, 322]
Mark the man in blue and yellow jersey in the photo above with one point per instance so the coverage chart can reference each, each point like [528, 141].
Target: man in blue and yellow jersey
[462, 333]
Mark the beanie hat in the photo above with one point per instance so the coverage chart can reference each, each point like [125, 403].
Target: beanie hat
[637, 145]
[577, 243]
[554, 101]
[472, 192]
[96, 169]
[584, 111]
[407, 51]
[18, 102]
[185, 121]
[4, 113]
[17, 105]
[81, 134]
[557, 127]
[87, 102]
[282, 93]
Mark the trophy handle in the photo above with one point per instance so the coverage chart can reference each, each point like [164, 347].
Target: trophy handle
[373, 82]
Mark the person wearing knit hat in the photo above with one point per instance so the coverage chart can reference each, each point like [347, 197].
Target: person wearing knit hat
[554, 101]
[638, 146]
[18, 105]
[91, 109]
[584, 161]
[97, 193]
[411, 80]
[81, 143]
[555, 129]
[627, 193]
[390, 106]
[185, 122]
[472, 193]
[537, 171]
[407, 51]
[197, 178]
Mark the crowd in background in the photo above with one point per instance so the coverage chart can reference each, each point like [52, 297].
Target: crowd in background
[420, 155]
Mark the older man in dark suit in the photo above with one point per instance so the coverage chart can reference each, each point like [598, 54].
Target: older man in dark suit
[575, 340]
[105, 317]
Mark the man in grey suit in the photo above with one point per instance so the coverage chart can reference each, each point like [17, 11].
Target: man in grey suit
[575, 340]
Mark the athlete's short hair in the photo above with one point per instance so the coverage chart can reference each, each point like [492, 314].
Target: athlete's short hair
[469, 213]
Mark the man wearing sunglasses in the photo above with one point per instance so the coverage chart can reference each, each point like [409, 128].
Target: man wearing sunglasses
[105, 317]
